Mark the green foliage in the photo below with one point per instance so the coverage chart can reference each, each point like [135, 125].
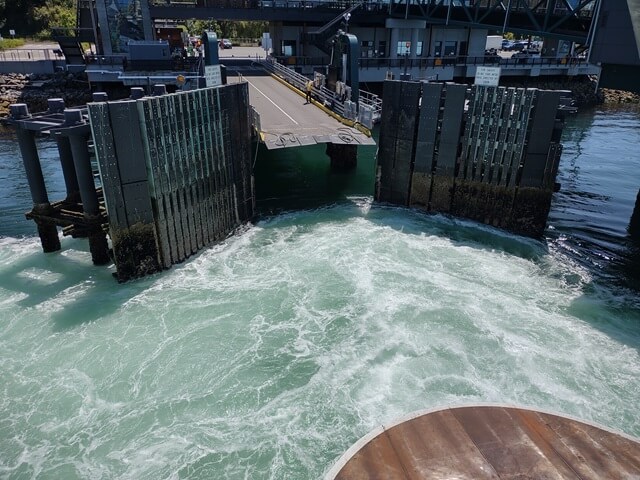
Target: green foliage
[196, 27]
[7, 43]
[54, 14]
[251, 29]
[36, 17]
[227, 28]
[2, 13]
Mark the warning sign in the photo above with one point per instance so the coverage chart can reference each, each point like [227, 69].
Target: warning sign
[212, 75]
[488, 76]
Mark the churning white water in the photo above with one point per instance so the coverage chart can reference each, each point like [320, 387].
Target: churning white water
[267, 356]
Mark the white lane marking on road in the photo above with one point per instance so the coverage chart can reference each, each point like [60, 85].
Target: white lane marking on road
[274, 104]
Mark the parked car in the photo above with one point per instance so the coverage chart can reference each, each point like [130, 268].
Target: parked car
[527, 53]
[225, 43]
[516, 46]
[507, 44]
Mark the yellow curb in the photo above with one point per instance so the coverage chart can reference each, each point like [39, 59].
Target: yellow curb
[350, 123]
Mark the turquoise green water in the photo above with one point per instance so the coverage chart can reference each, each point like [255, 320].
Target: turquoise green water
[267, 356]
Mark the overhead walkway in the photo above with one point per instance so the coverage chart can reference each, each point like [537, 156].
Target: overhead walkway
[569, 20]
[285, 120]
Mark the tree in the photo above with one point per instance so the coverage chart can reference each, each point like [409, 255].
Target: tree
[227, 28]
[196, 27]
[2, 14]
[33, 17]
[54, 14]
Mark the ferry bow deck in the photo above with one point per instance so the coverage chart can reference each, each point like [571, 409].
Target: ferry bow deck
[489, 442]
[286, 120]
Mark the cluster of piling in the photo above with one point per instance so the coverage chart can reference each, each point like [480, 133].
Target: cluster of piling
[489, 154]
[81, 213]
[175, 174]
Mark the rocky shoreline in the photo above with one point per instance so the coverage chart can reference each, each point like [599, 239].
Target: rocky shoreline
[34, 90]
[584, 90]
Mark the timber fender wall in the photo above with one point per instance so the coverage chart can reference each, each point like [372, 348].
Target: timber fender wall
[176, 173]
[489, 154]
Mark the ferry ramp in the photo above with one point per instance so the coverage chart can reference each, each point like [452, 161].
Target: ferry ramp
[286, 120]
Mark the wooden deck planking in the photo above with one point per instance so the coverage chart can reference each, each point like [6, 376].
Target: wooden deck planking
[437, 446]
[491, 442]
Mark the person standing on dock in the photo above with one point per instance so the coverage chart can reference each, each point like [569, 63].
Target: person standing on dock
[309, 87]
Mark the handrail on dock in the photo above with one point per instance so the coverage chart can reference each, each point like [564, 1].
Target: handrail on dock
[328, 98]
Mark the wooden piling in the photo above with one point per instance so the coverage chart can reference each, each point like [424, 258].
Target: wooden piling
[82, 212]
[78, 136]
[47, 231]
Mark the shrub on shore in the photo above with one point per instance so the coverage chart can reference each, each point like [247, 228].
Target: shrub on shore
[7, 43]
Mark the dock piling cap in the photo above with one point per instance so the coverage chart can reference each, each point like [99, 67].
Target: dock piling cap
[136, 93]
[72, 116]
[159, 89]
[55, 105]
[19, 111]
[100, 97]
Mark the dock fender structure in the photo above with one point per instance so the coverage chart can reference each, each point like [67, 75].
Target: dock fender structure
[485, 153]
[176, 172]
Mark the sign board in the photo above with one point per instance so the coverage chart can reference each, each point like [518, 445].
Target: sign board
[266, 42]
[12, 33]
[212, 75]
[488, 76]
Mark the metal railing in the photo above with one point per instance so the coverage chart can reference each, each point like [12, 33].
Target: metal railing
[117, 62]
[442, 62]
[30, 54]
[320, 4]
[423, 63]
[328, 98]
[296, 61]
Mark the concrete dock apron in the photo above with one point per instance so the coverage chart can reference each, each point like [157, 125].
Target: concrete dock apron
[286, 120]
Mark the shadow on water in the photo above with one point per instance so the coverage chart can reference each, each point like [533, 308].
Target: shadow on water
[68, 277]
[302, 179]
[613, 310]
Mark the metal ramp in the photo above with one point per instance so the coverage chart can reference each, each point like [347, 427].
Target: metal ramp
[72, 51]
[283, 119]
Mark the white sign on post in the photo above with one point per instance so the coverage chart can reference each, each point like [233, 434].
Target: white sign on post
[212, 75]
[12, 32]
[266, 42]
[488, 76]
